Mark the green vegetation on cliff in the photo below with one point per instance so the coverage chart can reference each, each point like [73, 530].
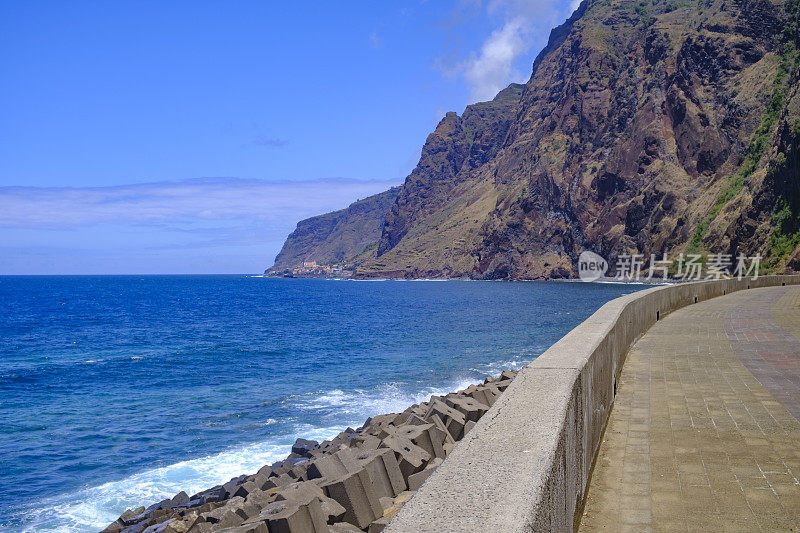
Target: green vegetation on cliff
[780, 243]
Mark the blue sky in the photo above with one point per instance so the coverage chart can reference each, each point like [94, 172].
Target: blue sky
[190, 137]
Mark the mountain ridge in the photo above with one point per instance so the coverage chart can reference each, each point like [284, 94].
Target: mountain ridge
[336, 237]
[650, 127]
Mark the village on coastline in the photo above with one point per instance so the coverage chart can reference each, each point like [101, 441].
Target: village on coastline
[310, 269]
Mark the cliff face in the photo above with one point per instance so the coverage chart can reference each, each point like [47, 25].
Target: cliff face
[646, 127]
[337, 237]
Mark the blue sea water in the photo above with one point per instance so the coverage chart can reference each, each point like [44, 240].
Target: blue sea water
[117, 391]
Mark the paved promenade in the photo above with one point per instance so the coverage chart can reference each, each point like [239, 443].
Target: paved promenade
[704, 433]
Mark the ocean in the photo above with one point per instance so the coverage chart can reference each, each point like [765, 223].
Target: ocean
[117, 391]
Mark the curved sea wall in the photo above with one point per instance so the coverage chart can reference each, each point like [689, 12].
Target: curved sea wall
[525, 465]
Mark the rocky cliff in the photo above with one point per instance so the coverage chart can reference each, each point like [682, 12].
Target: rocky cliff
[338, 237]
[646, 127]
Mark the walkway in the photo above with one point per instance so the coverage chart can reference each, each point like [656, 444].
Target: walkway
[704, 433]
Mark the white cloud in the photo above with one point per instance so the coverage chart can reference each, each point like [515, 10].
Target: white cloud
[507, 53]
[180, 203]
[493, 68]
[201, 226]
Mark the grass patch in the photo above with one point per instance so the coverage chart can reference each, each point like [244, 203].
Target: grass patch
[784, 236]
[645, 16]
[756, 148]
[676, 5]
[785, 233]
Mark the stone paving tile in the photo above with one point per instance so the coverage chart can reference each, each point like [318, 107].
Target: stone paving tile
[765, 338]
[696, 440]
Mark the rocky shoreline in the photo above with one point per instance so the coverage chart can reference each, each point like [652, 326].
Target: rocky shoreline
[356, 482]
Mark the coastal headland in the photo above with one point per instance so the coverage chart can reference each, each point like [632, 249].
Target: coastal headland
[645, 128]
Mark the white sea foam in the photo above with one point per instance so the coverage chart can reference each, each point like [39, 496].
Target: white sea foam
[94, 508]
[354, 407]
[494, 368]
[265, 423]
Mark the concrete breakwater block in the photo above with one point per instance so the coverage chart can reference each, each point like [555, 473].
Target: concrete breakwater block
[378, 525]
[410, 457]
[374, 424]
[453, 420]
[331, 466]
[357, 481]
[383, 470]
[481, 393]
[357, 495]
[259, 527]
[398, 503]
[366, 442]
[423, 434]
[290, 516]
[471, 408]
[304, 447]
[304, 492]
[415, 481]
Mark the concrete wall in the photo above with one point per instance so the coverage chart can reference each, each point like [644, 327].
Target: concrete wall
[525, 466]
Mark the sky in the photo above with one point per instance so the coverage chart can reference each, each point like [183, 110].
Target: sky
[144, 137]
